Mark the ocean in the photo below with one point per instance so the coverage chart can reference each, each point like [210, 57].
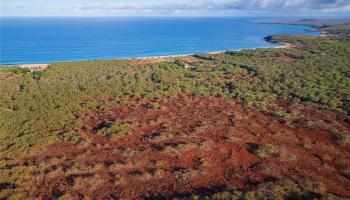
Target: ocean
[30, 40]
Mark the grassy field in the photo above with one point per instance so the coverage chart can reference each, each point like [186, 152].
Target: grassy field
[43, 108]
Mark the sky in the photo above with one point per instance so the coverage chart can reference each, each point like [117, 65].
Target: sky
[326, 8]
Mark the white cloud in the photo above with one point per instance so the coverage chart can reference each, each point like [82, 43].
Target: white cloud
[184, 7]
[272, 5]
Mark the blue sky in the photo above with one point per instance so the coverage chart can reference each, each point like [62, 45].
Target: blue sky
[328, 8]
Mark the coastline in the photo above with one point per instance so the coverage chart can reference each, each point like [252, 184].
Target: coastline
[314, 28]
[43, 66]
[155, 126]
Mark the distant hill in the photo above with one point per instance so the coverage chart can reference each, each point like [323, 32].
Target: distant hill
[319, 24]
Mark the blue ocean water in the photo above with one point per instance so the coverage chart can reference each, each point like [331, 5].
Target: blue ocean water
[27, 40]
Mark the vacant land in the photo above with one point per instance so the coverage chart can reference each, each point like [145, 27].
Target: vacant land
[253, 124]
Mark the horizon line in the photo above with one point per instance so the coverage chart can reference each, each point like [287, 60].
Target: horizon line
[178, 16]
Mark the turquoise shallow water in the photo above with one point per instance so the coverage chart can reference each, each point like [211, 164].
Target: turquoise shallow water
[45, 40]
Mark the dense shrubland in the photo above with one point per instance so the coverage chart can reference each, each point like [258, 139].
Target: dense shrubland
[39, 108]
[342, 35]
[43, 106]
[316, 72]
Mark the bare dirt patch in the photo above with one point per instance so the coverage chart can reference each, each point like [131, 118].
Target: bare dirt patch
[35, 67]
[185, 145]
[187, 59]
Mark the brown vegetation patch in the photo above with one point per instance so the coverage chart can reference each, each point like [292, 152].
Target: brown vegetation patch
[186, 145]
[191, 59]
[285, 58]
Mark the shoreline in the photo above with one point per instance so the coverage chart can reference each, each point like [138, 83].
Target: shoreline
[43, 66]
[313, 28]
[34, 66]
